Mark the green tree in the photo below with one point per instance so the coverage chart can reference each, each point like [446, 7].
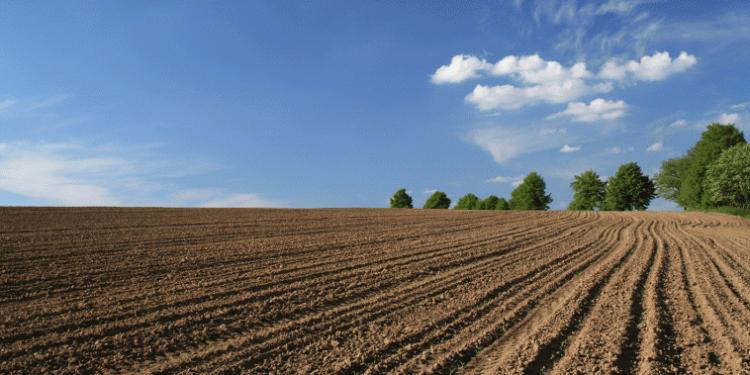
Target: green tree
[531, 194]
[728, 178]
[502, 204]
[489, 203]
[438, 200]
[468, 202]
[715, 139]
[588, 192]
[401, 199]
[669, 178]
[629, 189]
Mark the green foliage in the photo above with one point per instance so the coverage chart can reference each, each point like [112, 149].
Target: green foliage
[669, 178]
[629, 189]
[715, 139]
[588, 192]
[489, 203]
[401, 199]
[438, 200]
[468, 202]
[728, 179]
[502, 204]
[531, 194]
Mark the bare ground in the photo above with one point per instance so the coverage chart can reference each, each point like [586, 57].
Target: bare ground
[372, 291]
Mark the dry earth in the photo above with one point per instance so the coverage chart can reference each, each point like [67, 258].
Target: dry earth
[372, 291]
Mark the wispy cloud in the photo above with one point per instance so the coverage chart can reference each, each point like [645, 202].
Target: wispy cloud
[729, 118]
[505, 143]
[6, 103]
[78, 174]
[49, 173]
[655, 147]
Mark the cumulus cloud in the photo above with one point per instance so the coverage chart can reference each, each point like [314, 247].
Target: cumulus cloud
[461, 68]
[597, 110]
[430, 191]
[550, 81]
[729, 118]
[546, 81]
[511, 97]
[656, 147]
[568, 149]
[534, 69]
[650, 68]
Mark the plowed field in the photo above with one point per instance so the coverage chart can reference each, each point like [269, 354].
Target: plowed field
[372, 291]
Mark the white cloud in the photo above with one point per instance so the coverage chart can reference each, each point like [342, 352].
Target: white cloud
[48, 173]
[514, 180]
[5, 104]
[511, 97]
[532, 69]
[461, 68]
[597, 110]
[656, 147]
[242, 200]
[619, 150]
[430, 191]
[678, 123]
[72, 174]
[568, 149]
[729, 118]
[505, 143]
[546, 81]
[650, 68]
[549, 81]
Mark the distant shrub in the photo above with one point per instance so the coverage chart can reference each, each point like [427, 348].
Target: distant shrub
[401, 199]
[629, 189]
[502, 204]
[468, 202]
[531, 194]
[588, 192]
[438, 200]
[489, 203]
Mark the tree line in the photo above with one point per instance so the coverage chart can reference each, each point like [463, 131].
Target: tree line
[714, 173]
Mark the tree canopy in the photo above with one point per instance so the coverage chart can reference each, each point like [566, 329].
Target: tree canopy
[438, 200]
[588, 192]
[531, 194]
[728, 178]
[629, 189]
[489, 203]
[401, 199]
[468, 202]
[502, 204]
[682, 180]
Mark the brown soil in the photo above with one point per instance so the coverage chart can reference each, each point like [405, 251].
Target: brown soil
[372, 291]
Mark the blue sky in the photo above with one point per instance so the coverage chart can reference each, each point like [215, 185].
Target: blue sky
[336, 104]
